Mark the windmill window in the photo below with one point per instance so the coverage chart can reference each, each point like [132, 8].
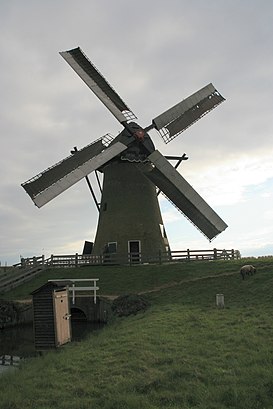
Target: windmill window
[112, 247]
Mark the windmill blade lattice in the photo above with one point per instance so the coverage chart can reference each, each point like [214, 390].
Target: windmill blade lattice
[185, 198]
[98, 84]
[58, 178]
[177, 119]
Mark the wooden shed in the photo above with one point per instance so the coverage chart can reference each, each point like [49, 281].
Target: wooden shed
[52, 327]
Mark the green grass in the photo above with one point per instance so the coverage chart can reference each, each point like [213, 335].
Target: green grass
[118, 280]
[182, 352]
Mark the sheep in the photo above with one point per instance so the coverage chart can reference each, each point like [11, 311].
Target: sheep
[247, 270]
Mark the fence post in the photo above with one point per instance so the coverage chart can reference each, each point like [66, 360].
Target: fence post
[232, 254]
[159, 257]
[73, 292]
[51, 259]
[76, 259]
[95, 291]
[215, 254]
[188, 254]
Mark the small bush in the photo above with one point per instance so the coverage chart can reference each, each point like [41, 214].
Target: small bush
[129, 304]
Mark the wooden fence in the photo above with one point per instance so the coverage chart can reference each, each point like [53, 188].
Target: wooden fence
[17, 276]
[78, 260]
[30, 267]
[9, 360]
[31, 262]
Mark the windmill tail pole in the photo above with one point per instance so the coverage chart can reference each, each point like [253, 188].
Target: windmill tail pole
[88, 182]
[92, 192]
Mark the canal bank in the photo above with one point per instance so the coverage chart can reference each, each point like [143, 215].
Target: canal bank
[17, 334]
[14, 313]
[17, 342]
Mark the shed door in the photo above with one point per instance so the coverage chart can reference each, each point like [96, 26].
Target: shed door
[62, 317]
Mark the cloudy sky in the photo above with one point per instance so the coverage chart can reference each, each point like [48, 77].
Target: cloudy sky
[154, 53]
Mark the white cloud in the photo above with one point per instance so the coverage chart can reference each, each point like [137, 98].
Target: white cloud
[229, 183]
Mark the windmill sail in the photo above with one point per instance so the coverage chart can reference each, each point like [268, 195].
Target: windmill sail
[98, 84]
[132, 168]
[55, 180]
[182, 115]
[184, 197]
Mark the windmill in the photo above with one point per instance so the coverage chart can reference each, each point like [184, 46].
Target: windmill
[133, 170]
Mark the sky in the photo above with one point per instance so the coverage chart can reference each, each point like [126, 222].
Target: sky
[154, 54]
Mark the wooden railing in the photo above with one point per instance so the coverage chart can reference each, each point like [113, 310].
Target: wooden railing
[9, 360]
[17, 276]
[73, 288]
[78, 260]
[140, 258]
[31, 262]
[30, 267]
[212, 254]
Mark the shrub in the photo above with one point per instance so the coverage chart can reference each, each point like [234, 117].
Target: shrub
[129, 304]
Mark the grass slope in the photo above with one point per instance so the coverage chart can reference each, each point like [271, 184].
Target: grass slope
[182, 352]
[116, 280]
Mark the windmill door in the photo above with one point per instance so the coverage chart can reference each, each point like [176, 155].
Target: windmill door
[61, 317]
[134, 251]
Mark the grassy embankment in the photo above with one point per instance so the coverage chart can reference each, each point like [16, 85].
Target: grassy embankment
[182, 352]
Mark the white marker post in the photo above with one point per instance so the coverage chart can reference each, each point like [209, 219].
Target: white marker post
[220, 302]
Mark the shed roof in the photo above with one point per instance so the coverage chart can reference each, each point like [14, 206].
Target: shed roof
[56, 285]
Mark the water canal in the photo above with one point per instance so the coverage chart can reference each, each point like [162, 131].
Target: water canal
[19, 341]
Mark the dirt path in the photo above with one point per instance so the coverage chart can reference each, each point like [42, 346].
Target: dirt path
[173, 284]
